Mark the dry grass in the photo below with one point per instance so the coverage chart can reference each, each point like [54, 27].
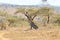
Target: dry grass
[53, 34]
[43, 33]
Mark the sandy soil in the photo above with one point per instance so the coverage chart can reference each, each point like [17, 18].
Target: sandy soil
[42, 33]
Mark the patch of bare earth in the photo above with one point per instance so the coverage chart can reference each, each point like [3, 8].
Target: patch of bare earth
[1, 35]
[40, 34]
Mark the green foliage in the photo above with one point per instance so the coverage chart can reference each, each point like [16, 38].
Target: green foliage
[46, 10]
[1, 13]
[36, 11]
[57, 21]
[31, 11]
[12, 20]
[15, 21]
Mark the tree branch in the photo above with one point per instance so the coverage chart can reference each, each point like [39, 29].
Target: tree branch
[34, 17]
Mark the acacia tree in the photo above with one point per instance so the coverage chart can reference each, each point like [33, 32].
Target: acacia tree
[46, 11]
[30, 13]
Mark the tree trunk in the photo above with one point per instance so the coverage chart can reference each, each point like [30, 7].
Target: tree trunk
[30, 20]
[33, 25]
[48, 19]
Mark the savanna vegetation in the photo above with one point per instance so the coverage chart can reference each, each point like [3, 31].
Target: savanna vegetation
[18, 26]
[47, 16]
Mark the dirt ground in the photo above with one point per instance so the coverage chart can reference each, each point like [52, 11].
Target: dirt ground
[43, 33]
